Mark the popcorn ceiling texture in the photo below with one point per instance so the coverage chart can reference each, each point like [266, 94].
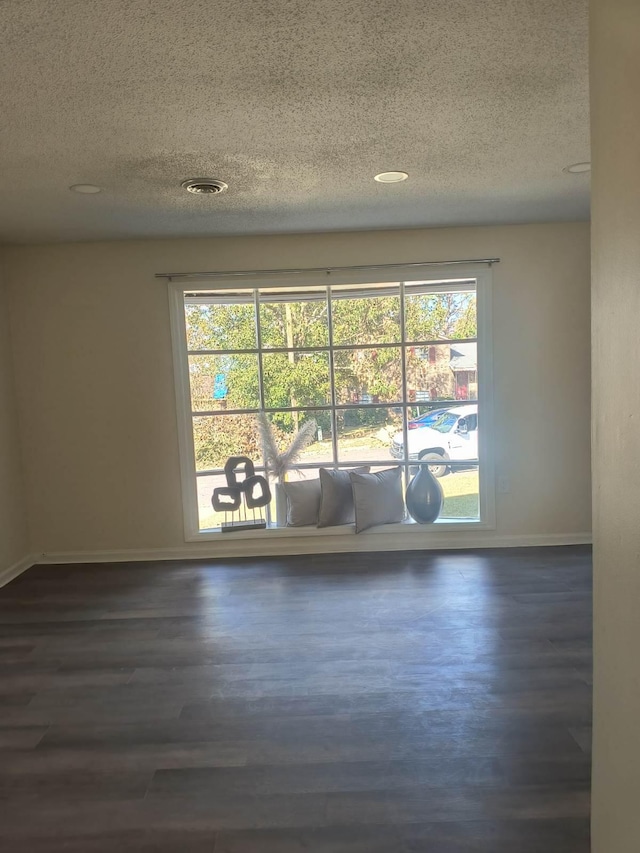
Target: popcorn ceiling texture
[296, 105]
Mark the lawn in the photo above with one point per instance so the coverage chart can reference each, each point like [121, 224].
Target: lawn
[460, 495]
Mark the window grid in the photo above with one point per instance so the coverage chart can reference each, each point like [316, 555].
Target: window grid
[332, 380]
[333, 407]
[326, 407]
[335, 348]
[389, 463]
[256, 310]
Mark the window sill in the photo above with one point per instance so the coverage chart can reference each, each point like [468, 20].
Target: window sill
[407, 528]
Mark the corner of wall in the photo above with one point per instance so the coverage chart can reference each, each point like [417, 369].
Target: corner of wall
[14, 526]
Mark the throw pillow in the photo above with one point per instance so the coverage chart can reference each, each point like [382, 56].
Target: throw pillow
[303, 502]
[377, 498]
[336, 499]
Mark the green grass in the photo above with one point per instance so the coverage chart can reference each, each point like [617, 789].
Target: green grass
[355, 439]
[460, 495]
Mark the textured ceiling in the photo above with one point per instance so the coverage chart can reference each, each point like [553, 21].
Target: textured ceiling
[296, 105]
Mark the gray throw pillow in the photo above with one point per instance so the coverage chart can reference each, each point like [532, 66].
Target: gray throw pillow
[377, 498]
[336, 500]
[303, 502]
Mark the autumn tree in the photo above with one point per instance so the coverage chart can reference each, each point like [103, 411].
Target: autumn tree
[229, 380]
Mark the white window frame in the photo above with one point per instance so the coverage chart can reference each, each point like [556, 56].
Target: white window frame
[486, 468]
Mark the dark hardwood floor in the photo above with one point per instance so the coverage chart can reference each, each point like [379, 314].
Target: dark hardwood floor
[386, 703]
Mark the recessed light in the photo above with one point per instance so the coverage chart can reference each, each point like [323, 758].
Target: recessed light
[204, 186]
[85, 189]
[578, 168]
[391, 177]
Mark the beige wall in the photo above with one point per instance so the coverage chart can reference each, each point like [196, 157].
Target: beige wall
[615, 72]
[13, 521]
[94, 371]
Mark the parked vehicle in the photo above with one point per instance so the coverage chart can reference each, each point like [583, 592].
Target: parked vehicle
[441, 436]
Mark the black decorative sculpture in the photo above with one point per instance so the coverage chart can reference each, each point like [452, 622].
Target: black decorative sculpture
[250, 492]
[235, 464]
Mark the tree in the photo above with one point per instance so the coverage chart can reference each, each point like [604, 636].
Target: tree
[440, 316]
[466, 326]
[293, 378]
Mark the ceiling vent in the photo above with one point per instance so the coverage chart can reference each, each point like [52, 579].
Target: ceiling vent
[201, 186]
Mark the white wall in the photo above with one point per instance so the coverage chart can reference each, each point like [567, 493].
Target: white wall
[13, 520]
[615, 72]
[95, 384]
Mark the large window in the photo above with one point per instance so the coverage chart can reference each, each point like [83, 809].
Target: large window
[391, 372]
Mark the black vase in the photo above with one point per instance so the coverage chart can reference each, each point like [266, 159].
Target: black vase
[424, 497]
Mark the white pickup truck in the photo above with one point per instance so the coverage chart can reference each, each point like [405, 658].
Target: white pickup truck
[441, 435]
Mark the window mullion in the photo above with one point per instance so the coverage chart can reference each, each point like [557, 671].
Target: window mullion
[403, 369]
[332, 381]
[256, 302]
[256, 305]
[336, 347]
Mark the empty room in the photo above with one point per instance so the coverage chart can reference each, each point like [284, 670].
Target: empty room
[319, 459]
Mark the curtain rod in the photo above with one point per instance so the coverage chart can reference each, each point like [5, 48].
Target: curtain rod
[186, 276]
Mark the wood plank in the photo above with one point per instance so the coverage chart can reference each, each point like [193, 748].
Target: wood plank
[408, 702]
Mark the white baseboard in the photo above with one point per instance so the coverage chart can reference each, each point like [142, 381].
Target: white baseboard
[534, 540]
[16, 569]
[226, 549]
